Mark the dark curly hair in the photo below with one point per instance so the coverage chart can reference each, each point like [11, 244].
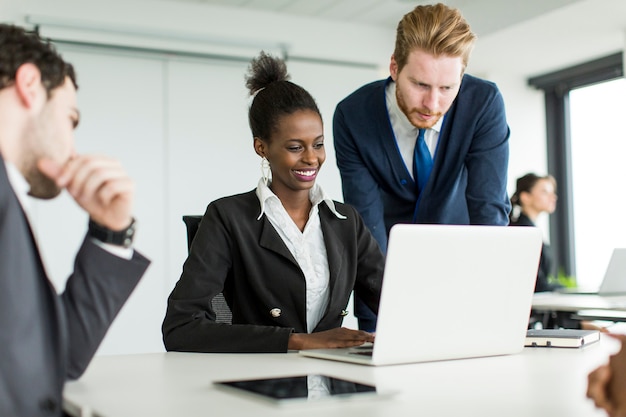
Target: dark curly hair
[274, 95]
[19, 46]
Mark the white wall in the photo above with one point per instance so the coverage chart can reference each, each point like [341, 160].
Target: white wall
[179, 125]
[215, 27]
[130, 96]
[176, 165]
[580, 32]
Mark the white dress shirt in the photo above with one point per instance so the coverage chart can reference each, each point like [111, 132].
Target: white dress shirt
[307, 246]
[20, 187]
[405, 132]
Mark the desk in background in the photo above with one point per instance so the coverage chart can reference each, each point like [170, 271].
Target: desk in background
[575, 302]
[579, 307]
[536, 382]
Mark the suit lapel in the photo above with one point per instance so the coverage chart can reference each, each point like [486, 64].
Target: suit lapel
[271, 240]
[48, 304]
[335, 249]
[385, 132]
[13, 204]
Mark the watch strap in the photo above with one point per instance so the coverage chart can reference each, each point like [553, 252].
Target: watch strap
[122, 237]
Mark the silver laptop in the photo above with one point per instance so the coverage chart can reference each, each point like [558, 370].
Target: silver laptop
[451, 292]
[614, 282]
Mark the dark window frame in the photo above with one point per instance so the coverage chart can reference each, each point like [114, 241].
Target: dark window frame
[556, 86]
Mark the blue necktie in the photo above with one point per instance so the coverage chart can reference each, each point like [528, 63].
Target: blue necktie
[422, 161]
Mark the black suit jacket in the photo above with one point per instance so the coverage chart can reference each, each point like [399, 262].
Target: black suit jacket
[45, 338]
[245, 258]
[545, 261]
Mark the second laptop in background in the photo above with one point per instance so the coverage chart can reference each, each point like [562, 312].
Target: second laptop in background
[614, 281]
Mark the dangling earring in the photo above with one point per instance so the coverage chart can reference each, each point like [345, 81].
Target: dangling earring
[265, 171]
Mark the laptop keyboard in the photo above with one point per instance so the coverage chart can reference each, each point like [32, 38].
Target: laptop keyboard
[369, 354]
[362, 350]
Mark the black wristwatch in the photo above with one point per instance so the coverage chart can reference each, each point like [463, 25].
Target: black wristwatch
[104, 234]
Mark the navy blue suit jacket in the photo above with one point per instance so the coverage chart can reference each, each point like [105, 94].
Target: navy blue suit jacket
[468, 181]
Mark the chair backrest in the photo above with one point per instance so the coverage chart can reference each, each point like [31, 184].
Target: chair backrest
[220, 306]
[192, 222]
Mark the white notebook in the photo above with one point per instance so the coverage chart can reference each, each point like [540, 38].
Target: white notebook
[561, 337]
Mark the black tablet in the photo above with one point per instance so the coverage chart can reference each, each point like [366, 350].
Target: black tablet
[308, 389]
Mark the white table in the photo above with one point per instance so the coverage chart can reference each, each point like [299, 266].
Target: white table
[536, 382]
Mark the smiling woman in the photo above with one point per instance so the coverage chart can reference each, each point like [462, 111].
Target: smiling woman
[288, 133]
[295, 155]
[285, 255]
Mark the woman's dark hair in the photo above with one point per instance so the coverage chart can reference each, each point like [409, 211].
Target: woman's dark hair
[524, 185]
[274, 95]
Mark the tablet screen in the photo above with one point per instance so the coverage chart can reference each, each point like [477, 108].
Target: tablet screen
[303, 388]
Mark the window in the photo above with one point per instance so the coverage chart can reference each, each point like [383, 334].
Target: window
[565, 163]
[598, 146]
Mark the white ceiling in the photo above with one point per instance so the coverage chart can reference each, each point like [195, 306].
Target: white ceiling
[484, 16]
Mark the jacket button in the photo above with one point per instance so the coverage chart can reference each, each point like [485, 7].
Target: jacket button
[275, 312]
[48, 404]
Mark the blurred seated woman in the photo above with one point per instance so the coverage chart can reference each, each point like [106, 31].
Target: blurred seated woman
[285, 255]
[533, 196]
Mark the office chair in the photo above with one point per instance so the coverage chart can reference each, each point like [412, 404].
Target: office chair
[220, 306]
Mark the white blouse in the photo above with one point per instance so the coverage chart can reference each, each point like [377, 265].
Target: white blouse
[307, 246]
